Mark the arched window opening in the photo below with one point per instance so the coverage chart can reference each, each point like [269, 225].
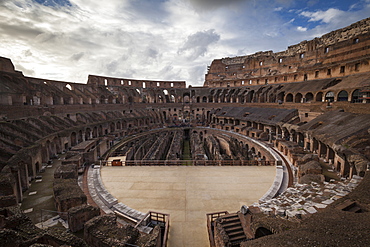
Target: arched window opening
[308, 97]
[343, 96]
[289, 97]
[319, 97]
[329, 96]
[356, 96]
[298, 98]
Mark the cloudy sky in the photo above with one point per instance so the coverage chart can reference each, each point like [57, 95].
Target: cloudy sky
[157, 39]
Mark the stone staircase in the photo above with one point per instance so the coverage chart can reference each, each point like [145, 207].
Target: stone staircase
[233, 228]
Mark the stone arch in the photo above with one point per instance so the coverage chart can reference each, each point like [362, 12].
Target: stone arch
[73, 139]
[44, 155]
[186, 98]
[309, 97]
[95, 132]
[298, 98]
[356, 96]
[112, 127]
[329, 96]
[319, 96]
[58, 145]
[289, 97]
[87, 134]
[280, 97]
[342, 96]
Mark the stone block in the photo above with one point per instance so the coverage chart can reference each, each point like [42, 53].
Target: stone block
[78, 216]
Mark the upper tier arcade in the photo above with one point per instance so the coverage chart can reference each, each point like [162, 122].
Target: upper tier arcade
[339, 53]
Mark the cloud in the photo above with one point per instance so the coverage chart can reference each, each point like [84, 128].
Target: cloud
[278, 9]
[197, 44]
[214, 4]
[324, 16]
[77, 56]
[302, 29]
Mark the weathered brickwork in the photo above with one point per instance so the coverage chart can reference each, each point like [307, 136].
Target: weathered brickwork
[337, 54]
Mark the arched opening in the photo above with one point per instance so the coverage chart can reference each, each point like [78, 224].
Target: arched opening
[280, 97]
[112, 127]
[343, 96]
[73, 139]
[356, 96]
[186, 98]
[204, 100]
[319, 97]
[95, 132]
[298, 98]
[261, 232]
[329, 96]
[250, 96]
[289, 97]
[87, 134]
[309, 97]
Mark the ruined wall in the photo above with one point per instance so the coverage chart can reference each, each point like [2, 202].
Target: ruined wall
[110, 81]
[6, 65]
[67, 194]
[18, 230]
[78, 216]
[339, 53]
[103, 231]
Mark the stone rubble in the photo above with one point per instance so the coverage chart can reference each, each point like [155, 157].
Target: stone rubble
[304, 199]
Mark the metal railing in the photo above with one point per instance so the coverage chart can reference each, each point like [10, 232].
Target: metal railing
[154, 218]
[211, 217]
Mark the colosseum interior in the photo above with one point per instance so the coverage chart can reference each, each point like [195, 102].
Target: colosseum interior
[303, 112]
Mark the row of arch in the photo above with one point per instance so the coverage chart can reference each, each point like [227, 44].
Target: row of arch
[276, 132]
[265, 94]
[263, 97]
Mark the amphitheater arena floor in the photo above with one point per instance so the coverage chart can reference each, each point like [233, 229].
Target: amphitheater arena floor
[188, 193]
